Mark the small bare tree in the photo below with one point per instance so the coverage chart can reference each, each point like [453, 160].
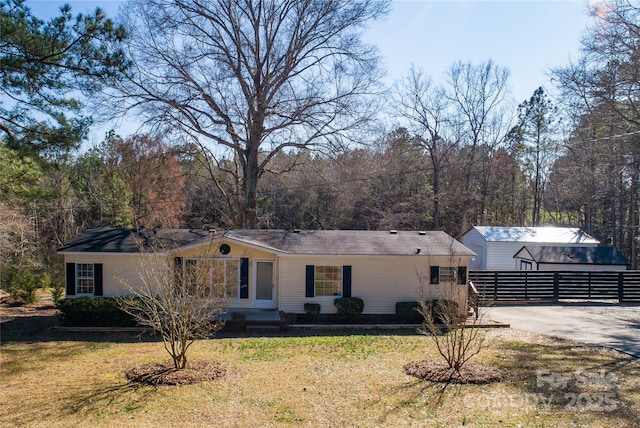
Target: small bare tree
[177, 300]
[444, 305]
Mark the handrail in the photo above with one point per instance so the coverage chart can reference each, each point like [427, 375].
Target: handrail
[474, 297]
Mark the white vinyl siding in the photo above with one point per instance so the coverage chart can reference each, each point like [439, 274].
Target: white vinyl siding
[119, 271]
[379, 281]
[476, 243]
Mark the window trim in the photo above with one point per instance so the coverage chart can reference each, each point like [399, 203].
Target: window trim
[453, 277]
[310, 283]
[85, 277]
[339, 281]
[526, 265]
[211, 285]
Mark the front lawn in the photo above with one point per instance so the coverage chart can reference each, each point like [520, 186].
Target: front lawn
[57, 379]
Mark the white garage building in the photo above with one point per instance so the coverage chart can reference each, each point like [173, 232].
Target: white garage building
[496, 246]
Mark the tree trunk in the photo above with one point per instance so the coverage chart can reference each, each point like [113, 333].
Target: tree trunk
[250, 187]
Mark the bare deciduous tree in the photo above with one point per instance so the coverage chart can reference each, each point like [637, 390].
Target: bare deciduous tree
[445, 317]
[478, 94]
[427, 109]
[174, 299]
[254, 77]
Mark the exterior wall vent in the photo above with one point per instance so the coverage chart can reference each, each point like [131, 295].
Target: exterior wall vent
[393, 231]
[422, 232]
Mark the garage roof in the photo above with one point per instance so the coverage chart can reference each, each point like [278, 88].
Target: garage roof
[555, 235]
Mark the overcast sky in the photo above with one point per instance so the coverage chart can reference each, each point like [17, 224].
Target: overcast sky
[529, 37]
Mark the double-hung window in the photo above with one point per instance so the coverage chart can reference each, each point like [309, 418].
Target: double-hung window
[328, 280]
[85, 279]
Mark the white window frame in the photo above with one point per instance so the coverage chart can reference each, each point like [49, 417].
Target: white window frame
[213, 286]
[448, 274]
[83, 273]
[319, 272]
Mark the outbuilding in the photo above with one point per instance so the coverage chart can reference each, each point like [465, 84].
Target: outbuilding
[496, 246]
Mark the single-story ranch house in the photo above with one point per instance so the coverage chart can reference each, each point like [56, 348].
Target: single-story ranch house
[495, 246]
[278, 269]
[573, 258]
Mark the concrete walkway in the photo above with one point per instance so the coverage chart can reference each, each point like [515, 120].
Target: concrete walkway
[601, 324]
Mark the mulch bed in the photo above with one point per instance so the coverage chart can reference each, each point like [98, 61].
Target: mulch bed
[164, 373]
[470, 373]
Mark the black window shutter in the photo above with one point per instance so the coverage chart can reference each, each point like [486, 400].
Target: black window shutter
[97, 279]
[310, 283]
[71, 279]
[435, 274]
[244, 278]
[462, 275]
[346, 281]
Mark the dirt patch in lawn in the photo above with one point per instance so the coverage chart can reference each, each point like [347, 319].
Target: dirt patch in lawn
[164, 373]
[470, 373]
[26, 322]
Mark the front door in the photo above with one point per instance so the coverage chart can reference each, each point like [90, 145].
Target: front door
[264, 285]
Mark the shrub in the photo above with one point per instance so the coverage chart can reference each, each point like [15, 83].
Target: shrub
[313, 311]
[27, 287]
[45, 281]
[93, 311]
[57, 292]
[443, 311]
[349, 308]
[407, 313]
[10, 281]
[20, 284]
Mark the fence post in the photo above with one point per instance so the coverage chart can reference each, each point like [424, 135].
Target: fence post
[556, 286]
[620, 287]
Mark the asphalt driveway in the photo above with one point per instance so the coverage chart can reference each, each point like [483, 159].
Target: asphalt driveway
[602, 324]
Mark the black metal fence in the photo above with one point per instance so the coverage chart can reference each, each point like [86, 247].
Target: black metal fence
[495, 286]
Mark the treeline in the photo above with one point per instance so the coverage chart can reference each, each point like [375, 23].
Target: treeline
[144, 181]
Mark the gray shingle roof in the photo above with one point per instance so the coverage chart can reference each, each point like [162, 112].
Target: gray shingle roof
[353, 242]
[317, 242]
[122, 240]
[577, 255]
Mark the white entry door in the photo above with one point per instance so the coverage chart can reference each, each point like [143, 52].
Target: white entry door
[264, 285]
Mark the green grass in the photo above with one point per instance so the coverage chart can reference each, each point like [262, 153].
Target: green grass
[320, 380]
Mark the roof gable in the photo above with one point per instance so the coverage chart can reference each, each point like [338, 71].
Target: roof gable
[555, 235]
